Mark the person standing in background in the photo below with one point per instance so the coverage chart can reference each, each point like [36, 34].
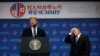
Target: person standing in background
[80, 43]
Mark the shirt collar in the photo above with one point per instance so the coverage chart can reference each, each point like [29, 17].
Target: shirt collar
[79, 35]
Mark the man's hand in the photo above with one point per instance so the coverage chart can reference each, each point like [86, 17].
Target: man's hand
[72, 30]
[75, 31]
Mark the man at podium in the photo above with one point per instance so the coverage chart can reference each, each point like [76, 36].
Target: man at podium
[32, 32]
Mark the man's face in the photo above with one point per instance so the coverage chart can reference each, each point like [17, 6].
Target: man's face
[33, 22]
[76, 32]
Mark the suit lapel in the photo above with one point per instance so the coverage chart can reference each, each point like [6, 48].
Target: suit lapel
[30, 32]
[79, 40]
[37, 31]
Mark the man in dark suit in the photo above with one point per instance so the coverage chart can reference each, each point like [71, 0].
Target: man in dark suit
[32, 32]
[80, 44]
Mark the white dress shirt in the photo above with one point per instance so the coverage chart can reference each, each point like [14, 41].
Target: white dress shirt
[32, 28]
[77, 37]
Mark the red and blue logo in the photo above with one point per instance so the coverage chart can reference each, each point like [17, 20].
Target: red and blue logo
[17, 10]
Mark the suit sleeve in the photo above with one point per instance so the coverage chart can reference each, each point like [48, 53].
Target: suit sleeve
[43, 33]
[87, 46]
[67, 39]
[23, 33]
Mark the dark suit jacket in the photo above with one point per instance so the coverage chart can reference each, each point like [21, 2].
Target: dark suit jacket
[81, 48]
[28, 33]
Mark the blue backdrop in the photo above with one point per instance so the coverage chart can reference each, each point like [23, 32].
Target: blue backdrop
[56, 30]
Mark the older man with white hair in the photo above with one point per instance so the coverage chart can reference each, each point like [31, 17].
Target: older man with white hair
[80, 44]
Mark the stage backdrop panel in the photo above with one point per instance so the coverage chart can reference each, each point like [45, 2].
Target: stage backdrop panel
[56, 30]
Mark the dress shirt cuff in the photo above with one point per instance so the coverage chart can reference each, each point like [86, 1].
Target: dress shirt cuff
[70, 33]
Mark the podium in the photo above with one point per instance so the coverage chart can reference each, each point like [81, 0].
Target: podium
[34, 46]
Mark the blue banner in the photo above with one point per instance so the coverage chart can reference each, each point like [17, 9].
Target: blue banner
[56, 30]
